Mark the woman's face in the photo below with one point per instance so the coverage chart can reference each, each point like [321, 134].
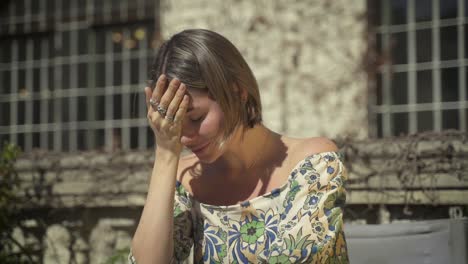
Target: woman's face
[202, 126]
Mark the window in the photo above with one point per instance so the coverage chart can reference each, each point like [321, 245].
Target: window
[72, 73]
[420, 52]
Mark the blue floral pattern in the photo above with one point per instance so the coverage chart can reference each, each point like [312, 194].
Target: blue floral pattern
[301, 222]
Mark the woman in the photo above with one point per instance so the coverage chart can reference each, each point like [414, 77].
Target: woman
[246, 194]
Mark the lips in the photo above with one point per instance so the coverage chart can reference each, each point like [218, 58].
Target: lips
[197, 149]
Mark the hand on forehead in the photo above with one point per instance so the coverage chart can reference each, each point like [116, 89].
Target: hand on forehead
[195, 95]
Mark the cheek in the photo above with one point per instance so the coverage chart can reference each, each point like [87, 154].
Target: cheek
[212, 125]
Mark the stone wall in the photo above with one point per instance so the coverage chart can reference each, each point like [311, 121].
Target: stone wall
[307, 57]
[84, 207]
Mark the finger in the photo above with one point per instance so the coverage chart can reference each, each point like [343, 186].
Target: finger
[147, 97]
[159, 89]
[154, 118]
[180, 114]
[174, 105]
[169, 94]
[152, 114]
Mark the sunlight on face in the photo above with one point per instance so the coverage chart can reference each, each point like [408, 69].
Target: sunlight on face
[202, 126]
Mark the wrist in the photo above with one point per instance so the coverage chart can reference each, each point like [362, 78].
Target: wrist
[166, 155]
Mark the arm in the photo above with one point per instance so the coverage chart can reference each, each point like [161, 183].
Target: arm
[330, 216]
[311, 228]
[153, 239]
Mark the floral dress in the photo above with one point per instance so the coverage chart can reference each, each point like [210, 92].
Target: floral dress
[300, 222]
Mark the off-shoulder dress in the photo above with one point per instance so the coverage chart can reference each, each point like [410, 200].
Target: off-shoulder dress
[299, 222]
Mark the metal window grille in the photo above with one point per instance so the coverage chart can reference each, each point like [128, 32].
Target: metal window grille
[421, 75]
[72, 73]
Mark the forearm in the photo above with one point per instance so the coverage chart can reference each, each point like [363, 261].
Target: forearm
[153, 239]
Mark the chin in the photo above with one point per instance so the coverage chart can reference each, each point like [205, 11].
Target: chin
[210, 156]
[206, 161]
[207, 158]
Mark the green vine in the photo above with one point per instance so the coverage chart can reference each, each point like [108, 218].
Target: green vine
[120, 256]
[11, 250]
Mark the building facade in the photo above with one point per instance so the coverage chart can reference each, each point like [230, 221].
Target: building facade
[72, 75]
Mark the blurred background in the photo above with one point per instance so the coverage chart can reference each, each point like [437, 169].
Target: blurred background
[386, 79]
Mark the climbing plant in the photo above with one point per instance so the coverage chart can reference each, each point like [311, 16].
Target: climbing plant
[11, 250]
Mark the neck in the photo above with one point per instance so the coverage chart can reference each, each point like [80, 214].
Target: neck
[245, 153]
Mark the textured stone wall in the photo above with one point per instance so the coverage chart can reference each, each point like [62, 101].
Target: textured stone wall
[431, 164]
[84, 207]
[427, 168]
[307, 57]
[78, 235]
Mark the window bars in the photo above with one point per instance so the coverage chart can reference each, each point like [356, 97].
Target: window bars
[72, 73]
[421, 82]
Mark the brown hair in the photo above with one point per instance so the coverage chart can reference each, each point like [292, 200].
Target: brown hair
[204, 59]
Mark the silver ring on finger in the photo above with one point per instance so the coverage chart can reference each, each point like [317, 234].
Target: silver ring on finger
[169, 118]
[161, 110]
[153, 102]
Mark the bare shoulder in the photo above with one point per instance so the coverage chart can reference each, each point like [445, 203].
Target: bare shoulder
[314, 145]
